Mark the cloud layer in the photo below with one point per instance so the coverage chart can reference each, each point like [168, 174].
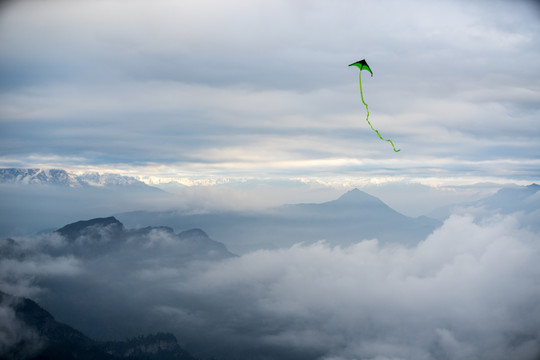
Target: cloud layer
[203, 89]
[469, 291]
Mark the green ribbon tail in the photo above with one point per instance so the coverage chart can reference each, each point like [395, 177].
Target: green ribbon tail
[367, 117]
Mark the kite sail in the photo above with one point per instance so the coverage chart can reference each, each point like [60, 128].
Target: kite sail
[362, 65]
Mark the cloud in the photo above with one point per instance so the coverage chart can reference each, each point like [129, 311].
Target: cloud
[22, 275]
[257, 88]
[467, 291]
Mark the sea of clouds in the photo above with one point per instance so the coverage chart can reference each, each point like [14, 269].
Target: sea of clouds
[470, 290]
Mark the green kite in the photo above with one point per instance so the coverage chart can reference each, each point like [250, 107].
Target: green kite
[362, 65]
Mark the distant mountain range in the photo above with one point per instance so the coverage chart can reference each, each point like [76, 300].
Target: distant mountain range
[36, 199]
[512, 199]
[36, 335]
[353, 217]
[59, 177]
[509, 199]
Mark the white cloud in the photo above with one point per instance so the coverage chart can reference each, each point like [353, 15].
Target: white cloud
[22, 276]
[467, 291]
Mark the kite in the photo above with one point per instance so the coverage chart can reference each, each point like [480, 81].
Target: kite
[362, 65]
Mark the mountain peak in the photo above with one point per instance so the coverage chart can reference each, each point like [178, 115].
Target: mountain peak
[74, 230]
[357, 196]
[192, 233]
[92, 222]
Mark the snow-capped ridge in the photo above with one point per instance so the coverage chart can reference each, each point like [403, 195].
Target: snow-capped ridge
[60, 177]
[97, 179]
[38, 176]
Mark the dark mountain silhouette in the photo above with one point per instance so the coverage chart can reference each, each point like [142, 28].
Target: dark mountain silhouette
[74, 230]
[101, 236]
[161, 346]
[41, 337]
[92, 237]
[105, 259]
[353, 217]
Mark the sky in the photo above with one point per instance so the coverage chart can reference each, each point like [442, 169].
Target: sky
[203, 90]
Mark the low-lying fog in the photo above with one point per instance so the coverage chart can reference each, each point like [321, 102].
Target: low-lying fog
[469, 290]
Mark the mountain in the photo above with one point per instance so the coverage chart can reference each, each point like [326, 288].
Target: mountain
[524, 200]
[161, 346]
[101, 236]
[352, 203]
[37, 199]
[353, 217]
[59, 177]
[37, 335]
[97, 179]
[34, 334]
[77, 229]
[38, 176]
[512, 199]
[95, 272]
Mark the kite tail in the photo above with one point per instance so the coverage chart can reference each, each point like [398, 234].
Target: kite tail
[367, 117]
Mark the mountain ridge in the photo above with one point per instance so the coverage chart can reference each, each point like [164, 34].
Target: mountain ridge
[352, 217]
[61, 177]
[102, 235]
[78, 226]
[41, 337]
[509, 199]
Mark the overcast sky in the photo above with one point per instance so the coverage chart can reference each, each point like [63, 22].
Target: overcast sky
[261, 89]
